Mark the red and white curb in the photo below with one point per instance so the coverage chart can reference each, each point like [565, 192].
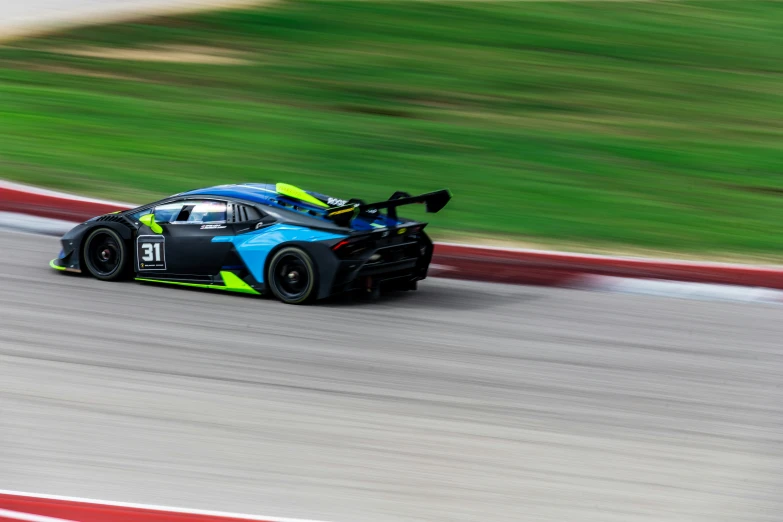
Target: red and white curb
[35, 224]
[44, 211]
[680, 290]
[34, 507]
[24, 199]
[27, 517]
[543, 267]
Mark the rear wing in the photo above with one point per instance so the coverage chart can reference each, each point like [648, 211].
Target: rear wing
[434, 202]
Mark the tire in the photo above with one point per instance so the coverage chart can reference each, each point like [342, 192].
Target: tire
[292, 277]
[105, 255]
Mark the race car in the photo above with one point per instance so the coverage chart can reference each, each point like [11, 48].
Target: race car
[256, 238]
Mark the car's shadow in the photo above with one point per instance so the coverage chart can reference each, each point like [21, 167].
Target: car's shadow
[441, 297]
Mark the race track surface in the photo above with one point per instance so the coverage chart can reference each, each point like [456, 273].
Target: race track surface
[460, 402]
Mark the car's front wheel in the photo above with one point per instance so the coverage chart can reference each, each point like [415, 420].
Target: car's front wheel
[291, 276]
[105, 254]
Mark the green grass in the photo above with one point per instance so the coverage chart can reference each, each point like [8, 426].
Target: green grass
[620, 125]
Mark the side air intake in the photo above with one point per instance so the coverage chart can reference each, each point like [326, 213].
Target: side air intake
[117, 218]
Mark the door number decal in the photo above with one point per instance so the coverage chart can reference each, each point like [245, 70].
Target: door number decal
[151, 253]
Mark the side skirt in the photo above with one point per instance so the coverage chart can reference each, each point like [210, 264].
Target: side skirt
[230, 282]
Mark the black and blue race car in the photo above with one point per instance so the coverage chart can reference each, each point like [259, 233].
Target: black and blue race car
[258, 238]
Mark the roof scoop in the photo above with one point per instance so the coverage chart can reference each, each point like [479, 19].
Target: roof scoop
[292, 192]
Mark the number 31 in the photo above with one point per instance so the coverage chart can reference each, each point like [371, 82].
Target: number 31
[151, 252]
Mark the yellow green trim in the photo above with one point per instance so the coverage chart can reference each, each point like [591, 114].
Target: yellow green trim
[284, 189]
[149, 220]
[56, 267]
[235, 284]
[232, 284]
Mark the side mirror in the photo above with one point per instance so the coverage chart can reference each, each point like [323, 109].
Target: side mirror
[149, 220]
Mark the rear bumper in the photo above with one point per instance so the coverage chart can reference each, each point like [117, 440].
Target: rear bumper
[394, 262]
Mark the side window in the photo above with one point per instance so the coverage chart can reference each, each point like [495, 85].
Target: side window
[168, 212]
[239, 213]
[202, 212]
[136, 215]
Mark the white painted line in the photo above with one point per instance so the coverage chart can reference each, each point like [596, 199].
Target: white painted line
[184, 511]
[29, 517]
[35, 224]
[682, 290]
[10, 185]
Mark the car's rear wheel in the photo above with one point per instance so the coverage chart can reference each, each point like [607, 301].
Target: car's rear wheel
[105, 254]
[291, 276]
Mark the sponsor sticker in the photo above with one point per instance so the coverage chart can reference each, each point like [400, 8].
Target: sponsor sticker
[151, 252]
[334, 202]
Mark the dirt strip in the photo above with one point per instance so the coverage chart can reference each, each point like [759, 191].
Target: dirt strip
[33, 17]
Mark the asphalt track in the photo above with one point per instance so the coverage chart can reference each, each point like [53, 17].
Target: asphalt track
[460, 402]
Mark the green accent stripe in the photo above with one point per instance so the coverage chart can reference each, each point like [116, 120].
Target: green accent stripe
[56, 267]
[235, 284]
[284, 189]
[232, 284]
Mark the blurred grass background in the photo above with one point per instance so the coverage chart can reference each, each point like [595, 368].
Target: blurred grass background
[592, 125]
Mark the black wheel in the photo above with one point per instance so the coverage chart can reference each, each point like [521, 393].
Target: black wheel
[105, 254]
[292, 276]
